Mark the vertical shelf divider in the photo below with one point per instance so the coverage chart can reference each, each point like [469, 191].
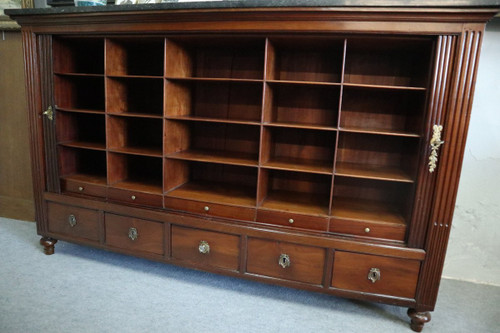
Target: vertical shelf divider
[266, 104]
[337, 139]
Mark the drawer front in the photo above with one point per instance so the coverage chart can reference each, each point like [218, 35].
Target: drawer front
[206, 247]
[138, 198]
[210, 209]
[134, 234]
[368, 229]
[293, 220]
[396, 277]
[83, 188]
[286, 260]
[73, 221]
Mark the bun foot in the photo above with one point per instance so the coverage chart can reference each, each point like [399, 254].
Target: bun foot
[418, 319]
[48, 245]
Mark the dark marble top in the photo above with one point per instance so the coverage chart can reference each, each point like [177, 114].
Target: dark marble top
[257, 4]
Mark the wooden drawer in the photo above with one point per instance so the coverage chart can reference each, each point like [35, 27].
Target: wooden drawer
[368, 229]
[206, 247]
[398, 277]
[134, 234]
[73, 221]
[83, 188]
[266, 257]
[199, 207]
[293, 220]
[138, 198]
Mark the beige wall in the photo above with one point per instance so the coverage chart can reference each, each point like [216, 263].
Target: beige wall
[16, 191]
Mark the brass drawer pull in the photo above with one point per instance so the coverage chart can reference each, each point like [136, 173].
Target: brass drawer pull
[203, 247]
[133, 197]
[367, 230]
[436, 142]
[206, 208]
[284, 260]
[49, 113]
[80, 188]
[374, 275]
[133, 234]
[290, 221]
[72, 220]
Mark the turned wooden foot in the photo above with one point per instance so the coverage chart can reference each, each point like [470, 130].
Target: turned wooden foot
[418, 319]
[48, 245]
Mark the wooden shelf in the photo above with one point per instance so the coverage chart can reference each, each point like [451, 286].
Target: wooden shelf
[296, 202]
[300, 125]
[66, 109]
[303, 83]
[217, 156]
[378, 131]
[215, 192]
[130, 76]
[86, 178]
[367, 171]
[143, 151]
[383, 86]
[78, 74]
[301, 165]
[136, 115]
[214, 79]
[84, 145]
[366, 210]
[214, 120]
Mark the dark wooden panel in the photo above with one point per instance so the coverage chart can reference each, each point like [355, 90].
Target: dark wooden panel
[398, 277]
[149, 234]
[223, 248]
[306, 262]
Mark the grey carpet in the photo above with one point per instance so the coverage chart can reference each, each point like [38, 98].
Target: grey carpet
[80, 289]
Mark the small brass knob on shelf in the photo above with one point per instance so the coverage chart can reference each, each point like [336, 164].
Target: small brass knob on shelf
[367, 230]
[203, 247]
[206, 208]
[374, 275]
[80, 188]
[284, 260]
[132, 197]
[133, 234]
[72, 220]
[290, 221]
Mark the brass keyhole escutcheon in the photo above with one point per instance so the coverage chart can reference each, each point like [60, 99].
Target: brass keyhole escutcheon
[374, 275]
[133, 234]
[284, 260]
[72, 220]
[204, 247]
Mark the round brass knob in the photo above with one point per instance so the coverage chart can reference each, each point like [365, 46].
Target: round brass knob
[132, 197]
[80, 188]
[206, 208]
[367, 230]
[290, 221]
[203, 247]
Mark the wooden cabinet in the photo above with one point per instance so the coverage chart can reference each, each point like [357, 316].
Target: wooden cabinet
[317, 148]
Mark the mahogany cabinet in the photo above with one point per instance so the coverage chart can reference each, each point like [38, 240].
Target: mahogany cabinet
[312, 147]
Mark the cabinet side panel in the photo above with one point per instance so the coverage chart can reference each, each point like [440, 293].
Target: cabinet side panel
[44, 43]
[449, 164]
[437, 106]
[32, 73]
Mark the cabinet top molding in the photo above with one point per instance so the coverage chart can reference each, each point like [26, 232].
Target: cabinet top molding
[241, 4]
